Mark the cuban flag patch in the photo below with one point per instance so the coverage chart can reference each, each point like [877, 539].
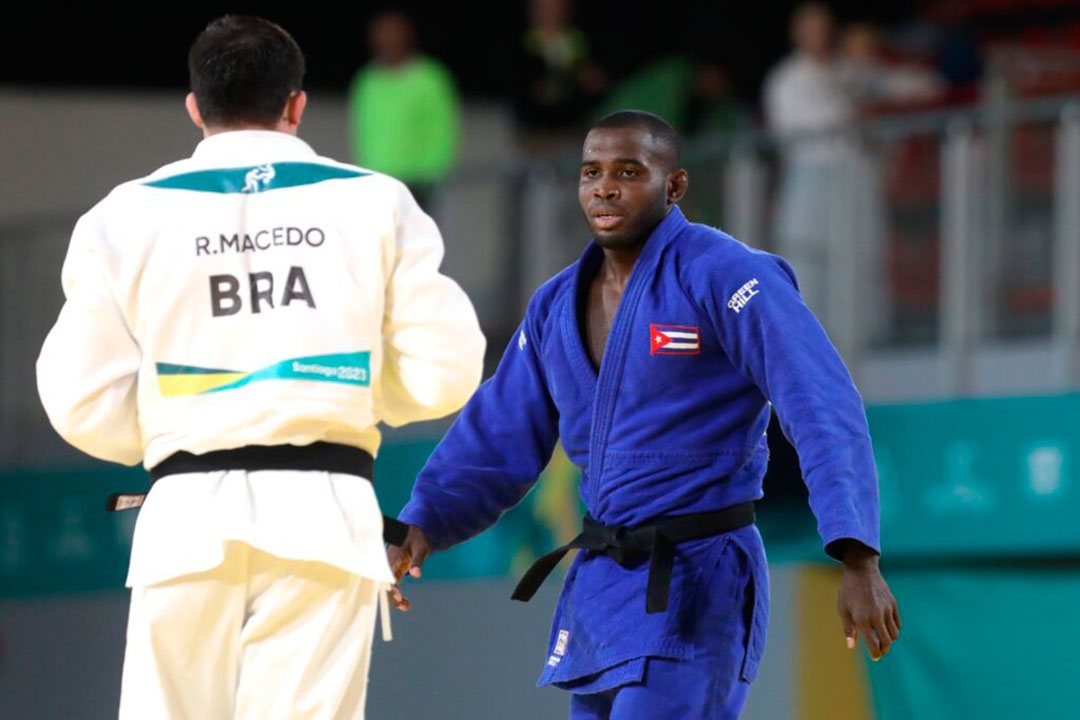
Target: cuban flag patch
[674, 340]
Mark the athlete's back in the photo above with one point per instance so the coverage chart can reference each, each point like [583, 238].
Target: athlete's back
[255, 293]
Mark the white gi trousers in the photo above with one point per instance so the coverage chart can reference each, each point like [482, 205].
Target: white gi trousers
[256, 638]
[225, 624]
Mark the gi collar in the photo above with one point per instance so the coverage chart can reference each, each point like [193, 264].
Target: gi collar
[251, 147]
[664, 233]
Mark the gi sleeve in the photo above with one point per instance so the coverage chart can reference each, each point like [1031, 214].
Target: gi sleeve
[87, 372]
[773, 337]
[493, 453]
[433, 347]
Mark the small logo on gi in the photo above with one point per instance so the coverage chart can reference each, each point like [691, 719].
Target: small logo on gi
[742, 296]
[560, 648]
[560, 642]
[674, 340]
[257, 178]
[522, 342]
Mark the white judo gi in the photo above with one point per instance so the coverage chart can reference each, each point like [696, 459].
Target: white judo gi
[255, 294]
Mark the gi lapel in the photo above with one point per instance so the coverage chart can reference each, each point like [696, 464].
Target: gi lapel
[573, 332]
[614, 361]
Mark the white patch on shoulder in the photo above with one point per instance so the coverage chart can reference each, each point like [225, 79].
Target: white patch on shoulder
[522, 341]
[743, 295]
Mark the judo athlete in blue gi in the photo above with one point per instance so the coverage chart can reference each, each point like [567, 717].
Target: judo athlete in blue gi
[655, 358]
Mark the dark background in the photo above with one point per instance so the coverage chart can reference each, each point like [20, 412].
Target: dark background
[104, 46]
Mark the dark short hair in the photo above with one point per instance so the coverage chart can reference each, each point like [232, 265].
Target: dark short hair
[657, 127]
[243, 70]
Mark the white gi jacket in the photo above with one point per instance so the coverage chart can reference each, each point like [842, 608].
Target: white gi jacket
[255, 294]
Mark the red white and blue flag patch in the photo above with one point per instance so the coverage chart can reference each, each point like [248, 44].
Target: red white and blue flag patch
[674, 340]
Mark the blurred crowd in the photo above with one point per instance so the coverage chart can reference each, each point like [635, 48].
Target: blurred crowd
[838, 71]
[406, 110]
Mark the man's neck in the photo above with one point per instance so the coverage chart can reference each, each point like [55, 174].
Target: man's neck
[618, 264]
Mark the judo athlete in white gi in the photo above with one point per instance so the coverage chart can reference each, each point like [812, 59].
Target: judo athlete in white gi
[239, 322]
[655, 358]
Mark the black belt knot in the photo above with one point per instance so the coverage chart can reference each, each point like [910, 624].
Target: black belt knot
[618, 542]
[630, 545]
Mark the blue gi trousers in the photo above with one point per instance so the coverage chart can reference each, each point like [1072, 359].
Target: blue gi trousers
[671, 689]
[713, 684]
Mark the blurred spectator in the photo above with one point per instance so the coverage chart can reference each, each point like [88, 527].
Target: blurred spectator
[714, 112]
[803, 96]
[694, 96]
[871, 82]
[662, 87]
[803, 92]
[714, 108]
[557, 81]
[404, 109]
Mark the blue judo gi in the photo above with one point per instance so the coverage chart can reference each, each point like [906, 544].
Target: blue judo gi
[708, 333]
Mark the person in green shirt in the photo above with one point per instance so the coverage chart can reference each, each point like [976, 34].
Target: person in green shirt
[404, 110]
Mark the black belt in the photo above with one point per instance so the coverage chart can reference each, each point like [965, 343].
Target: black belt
[319, 456]
[629, 545]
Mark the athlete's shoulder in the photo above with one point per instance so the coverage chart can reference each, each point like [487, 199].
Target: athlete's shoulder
[704, 243]
[548, 299]
[125, 189]
[132, 199]
[356, 171]
[708, 257]
[553, 290]
[369, 181]
[126, 198]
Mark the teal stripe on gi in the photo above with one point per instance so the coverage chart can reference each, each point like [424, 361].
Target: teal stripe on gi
[260, 178]
[349, 368]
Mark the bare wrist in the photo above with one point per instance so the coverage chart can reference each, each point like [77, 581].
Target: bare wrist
[858, 556]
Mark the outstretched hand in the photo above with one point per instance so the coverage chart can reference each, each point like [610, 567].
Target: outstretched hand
[865, 603]
[407, 559]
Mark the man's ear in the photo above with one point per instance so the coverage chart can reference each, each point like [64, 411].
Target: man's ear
[677, 184]
[193, 110]
[294, 108]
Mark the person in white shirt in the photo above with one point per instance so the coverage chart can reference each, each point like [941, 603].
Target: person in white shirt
[872, 81]
[804, 101]
[240, 322]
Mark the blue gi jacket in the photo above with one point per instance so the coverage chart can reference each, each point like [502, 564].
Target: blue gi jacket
[707, 334]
